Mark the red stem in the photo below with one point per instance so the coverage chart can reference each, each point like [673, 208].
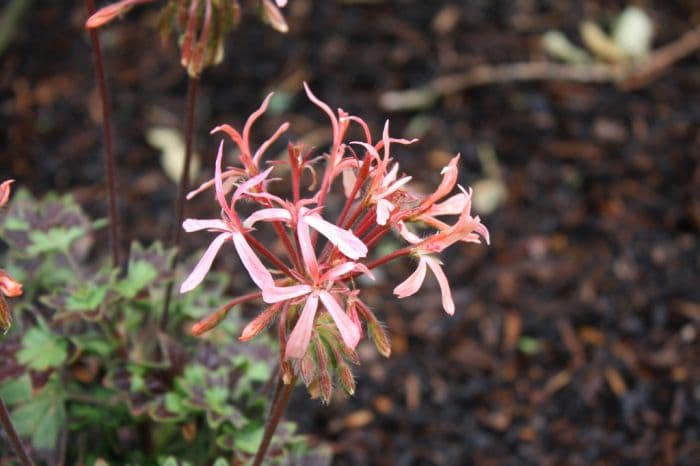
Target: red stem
[107, 136]
[182, 190]
[272, 258]
[273, 420]
[6, 422]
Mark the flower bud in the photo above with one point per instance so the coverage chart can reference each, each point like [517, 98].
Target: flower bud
[5, 191]
[108, 13]
[347, 380]
[9, 286]
[379, 338]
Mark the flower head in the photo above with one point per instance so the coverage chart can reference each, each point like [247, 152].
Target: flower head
[311, 290]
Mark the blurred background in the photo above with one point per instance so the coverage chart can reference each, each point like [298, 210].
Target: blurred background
[575, 340]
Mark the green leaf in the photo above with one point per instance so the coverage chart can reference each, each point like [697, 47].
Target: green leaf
[141, 273]
[87, 297]
[249, 439]
[16, 391]
[220, 462]
[41, 349]
[216, 397]
[15, 223]
[57, 239]
[173, 403]
[42, 418]
[529, 345]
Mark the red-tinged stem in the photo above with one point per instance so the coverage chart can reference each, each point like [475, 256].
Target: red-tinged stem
[378, 233]
[192, 86]
[279, 228]
[366, 223]
[389, 257]
[355, 215]
[11, 432]
[271, 257]
[110, 169]
[273, 420]
[213, 319]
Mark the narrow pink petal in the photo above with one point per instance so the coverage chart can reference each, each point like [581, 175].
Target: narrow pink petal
[347, 328]
[204, 264]
[413, 283]
[391, 176]
[323, 106]
[250, 183]
[344, 240]
[218, 182]
[281, 3]
[231, 172]
[268, 215]
[454, 205]
[301, 334]
[407, 234]
[275, 294]
[253, 118]
[192, 224]
[371, 149]
[349, 180]
[384, 209]
[345, 268]
[264, 146]
[447, 302]
[397, 185]
[257, 271]
[307, 248]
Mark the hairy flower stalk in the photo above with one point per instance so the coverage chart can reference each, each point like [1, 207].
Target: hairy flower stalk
[311, 292]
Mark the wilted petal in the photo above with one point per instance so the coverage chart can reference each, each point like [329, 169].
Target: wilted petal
[449, 180]
[268, 215]
[192, 224]
[257, 271]
[413, 283]
[204, 264]
[250, 183]
[349, 180]
[347, 328]
[344, 240]
[447, 302]
[5, 191]
[276, 294]
[301, 334]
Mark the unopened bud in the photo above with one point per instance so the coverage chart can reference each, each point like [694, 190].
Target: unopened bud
[379, 338]
[9, 286]
[306, 367]
[260, 322]
[347, 380]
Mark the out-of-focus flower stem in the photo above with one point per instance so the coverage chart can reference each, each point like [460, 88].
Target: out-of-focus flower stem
[278, 409]
[110, 168]
[192, 87]
[11, 432]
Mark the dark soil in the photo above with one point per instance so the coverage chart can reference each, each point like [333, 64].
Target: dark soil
[575, 339]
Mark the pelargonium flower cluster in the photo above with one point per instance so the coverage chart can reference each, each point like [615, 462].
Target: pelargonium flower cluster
[313, 292]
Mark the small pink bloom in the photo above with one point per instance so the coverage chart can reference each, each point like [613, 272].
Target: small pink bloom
[413, 283]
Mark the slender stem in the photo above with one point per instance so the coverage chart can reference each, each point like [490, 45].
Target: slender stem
[389, 257]
[110, 169]
[192, 86]
[273, 420]
[6, 422]
[272, 258]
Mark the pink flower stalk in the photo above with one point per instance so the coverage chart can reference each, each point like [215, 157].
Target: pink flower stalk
[311, 290]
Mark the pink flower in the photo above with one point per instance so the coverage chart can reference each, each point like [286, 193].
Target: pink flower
[412, 284]
[229, 228]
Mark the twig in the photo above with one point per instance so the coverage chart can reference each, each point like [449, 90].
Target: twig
[6, 422]
[107, 134]
[627, 77]
[192, 87]
[273, 420]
